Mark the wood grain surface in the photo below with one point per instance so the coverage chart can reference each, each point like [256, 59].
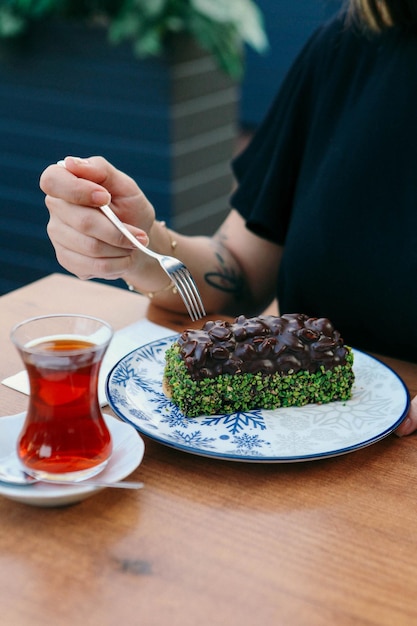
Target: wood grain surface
[208, 542]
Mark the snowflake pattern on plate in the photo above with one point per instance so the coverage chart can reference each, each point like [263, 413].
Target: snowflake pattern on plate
[379, 403]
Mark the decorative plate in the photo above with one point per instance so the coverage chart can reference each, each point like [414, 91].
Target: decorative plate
[128, 450]
[379, 403]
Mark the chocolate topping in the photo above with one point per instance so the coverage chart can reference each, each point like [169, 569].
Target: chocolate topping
[265, 344]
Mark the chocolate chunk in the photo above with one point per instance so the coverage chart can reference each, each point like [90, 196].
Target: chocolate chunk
[219, 353]
[220, 333]
[308, 334]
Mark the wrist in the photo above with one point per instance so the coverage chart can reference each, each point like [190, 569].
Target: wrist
[160, 237]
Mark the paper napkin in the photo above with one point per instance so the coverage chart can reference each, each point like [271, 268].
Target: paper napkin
[124, 341]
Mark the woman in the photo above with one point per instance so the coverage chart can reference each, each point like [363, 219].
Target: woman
[324, 212]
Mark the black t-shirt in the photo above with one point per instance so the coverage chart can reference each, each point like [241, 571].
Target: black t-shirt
[332, 175]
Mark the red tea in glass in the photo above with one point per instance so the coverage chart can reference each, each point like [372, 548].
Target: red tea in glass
[64, 434]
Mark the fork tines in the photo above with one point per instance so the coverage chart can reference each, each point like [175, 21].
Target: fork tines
[188, 291]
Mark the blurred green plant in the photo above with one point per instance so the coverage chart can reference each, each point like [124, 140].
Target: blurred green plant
[222, 27]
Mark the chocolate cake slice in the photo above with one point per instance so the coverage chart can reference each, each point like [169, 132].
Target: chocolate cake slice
[260, 362]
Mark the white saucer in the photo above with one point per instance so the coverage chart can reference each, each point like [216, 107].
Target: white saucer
[128, 450]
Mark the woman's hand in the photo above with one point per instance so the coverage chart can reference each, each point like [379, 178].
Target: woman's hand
[85, 241]
[409, 425]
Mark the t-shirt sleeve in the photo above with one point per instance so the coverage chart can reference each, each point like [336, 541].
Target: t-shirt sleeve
[266, 172]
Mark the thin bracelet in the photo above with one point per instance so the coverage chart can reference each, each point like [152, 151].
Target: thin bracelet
[150, 294]
[172, 242]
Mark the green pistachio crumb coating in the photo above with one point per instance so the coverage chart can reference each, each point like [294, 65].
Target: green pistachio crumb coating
[245, 392]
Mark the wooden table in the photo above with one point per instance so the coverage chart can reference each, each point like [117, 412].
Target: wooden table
[208, 543]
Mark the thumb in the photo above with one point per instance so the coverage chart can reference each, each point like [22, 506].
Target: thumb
[98, 170]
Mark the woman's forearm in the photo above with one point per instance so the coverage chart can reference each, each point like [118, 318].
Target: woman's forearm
[218, 276]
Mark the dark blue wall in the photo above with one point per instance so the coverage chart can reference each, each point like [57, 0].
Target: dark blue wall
[64, 93]
[51, 106]
[288, 24]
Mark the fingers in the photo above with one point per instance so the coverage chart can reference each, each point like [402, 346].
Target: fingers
[88, 256]
[108, 268]
[60, 182]
[86, 243]
[94, 182]
[409, 425]
[86, 230]
[98, 170]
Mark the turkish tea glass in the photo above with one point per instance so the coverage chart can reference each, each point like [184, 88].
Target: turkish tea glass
[64, 435]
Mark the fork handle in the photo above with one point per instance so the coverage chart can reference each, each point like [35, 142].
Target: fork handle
[126, 232]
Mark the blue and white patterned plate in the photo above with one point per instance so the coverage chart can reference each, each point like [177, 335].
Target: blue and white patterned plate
[379, 403]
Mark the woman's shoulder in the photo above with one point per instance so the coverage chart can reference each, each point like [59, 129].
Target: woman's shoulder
[335, 42]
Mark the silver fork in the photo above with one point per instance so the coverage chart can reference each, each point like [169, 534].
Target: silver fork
[175, 269]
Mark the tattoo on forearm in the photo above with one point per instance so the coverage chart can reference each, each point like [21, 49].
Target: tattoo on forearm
[226, 279]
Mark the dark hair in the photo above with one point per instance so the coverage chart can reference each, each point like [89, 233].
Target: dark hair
[380, 14]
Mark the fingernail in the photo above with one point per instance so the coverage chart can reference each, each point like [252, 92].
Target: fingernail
[100, 197]
[143, 238]
[79, 160]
